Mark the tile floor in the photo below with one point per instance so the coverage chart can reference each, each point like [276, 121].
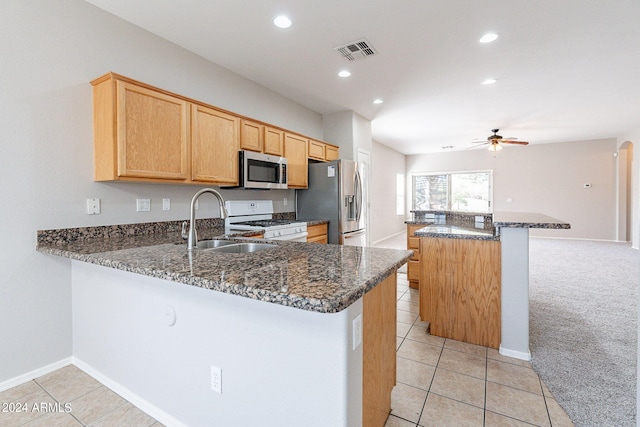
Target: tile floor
[439, 383]
[442, 382]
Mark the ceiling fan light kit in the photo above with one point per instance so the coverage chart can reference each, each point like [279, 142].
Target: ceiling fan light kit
[495, 141]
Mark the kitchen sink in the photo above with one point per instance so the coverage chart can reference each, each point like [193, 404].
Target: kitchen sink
[242, 248]
[210, 244]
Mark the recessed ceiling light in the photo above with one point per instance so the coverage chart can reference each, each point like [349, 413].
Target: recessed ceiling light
[378, 101]
[344, 73]
[489, 81]
[488, 38]
[282, 21]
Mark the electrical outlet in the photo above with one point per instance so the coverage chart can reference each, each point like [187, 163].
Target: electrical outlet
[93, 206]
[166, 204]
[143, 205]
[216, 379]
[285, 202]
[357, 331]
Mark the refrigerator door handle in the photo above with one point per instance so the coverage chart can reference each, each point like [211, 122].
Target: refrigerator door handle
[358, 191]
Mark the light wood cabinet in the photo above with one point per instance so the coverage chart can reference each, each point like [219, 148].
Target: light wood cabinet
[378, 351]
[140, 134]
[413, 266]
[251, 135]
[295, 150]
[316, 150]
[143, 133]
[322, 151]
[214, 146]
[273, 141]
[317, 233]
[460, 289]
[331, 152]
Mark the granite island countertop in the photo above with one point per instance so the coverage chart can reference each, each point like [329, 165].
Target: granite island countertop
[450, 231]
[314, 277]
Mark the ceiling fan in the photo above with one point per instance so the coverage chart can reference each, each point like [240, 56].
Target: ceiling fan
[494, 141]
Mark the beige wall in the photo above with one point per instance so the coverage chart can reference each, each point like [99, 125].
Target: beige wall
[547, 179]
[385, 164]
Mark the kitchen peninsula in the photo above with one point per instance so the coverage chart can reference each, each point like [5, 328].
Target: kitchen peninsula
[303, 334]
[474, 275]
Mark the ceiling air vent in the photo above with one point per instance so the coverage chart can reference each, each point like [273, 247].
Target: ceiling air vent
[357, 50]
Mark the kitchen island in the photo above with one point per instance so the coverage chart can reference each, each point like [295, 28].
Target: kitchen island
[302, 334]
[474, 276]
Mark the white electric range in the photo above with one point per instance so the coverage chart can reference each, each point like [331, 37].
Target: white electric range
[248, 215]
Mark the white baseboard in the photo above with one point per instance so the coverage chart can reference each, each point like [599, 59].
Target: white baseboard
[515, 354]
[388, 237]
[21, 379]
[127, 394]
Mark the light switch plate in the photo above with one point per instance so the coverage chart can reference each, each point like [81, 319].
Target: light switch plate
[93, 206]
[357, 331]
[143, 205]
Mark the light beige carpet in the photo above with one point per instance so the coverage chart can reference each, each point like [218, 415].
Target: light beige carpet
[583, 326]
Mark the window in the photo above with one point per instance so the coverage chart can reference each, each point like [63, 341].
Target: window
[453, 191]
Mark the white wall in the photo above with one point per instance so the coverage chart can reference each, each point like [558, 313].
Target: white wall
[386, 163]
[294, 367]
[547, 179]
[50, 53]
[633, 137]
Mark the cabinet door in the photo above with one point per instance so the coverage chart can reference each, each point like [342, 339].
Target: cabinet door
[215, 143]
[316, 150]
[251, 136]
[152, 131]
[331, 153]
[295, 150]
[317, 233]
[273, 141]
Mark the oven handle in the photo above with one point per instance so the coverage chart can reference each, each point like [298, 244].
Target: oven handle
[290, 236]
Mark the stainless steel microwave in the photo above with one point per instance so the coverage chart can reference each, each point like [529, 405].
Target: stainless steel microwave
[262, 171]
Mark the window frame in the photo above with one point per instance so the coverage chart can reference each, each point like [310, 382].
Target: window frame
[449, 173]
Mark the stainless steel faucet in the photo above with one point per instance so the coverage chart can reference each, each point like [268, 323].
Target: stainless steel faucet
[192, 240]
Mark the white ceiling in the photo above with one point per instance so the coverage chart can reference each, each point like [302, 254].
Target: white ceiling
[566, 70]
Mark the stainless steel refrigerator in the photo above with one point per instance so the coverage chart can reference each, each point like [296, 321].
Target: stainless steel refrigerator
[335, 194]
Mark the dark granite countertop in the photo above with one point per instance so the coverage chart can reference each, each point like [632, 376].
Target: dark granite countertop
[448, 231]
[527, 220]
[315, 221]
[307, 276]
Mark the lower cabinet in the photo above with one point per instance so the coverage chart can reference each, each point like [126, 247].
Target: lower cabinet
[460, 289]
[378, 351]
[317, 233]
[413, 266]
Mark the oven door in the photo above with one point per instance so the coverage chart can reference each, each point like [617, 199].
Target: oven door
[263, 171]
[297, 237]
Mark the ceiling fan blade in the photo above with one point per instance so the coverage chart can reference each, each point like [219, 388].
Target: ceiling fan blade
[515, 142]
[480, 144]
[511, 138]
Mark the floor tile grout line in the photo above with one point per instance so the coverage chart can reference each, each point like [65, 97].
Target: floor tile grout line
[56, 400]
[546, 405]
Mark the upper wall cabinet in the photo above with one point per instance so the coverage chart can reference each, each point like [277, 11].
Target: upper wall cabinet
[295, 150]
[251, 135]
[273, 141]
[140, 134]
[255, 136]
[215, 142]
[322, 151]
